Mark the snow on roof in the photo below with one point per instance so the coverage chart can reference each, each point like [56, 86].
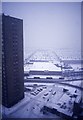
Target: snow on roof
[42, 66]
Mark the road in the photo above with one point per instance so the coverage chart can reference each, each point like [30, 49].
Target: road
[54, 80]
[58, 81]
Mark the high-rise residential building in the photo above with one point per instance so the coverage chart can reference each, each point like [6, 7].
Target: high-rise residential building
[12, 60]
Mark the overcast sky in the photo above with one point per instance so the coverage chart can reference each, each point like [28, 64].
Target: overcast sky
[48, 25]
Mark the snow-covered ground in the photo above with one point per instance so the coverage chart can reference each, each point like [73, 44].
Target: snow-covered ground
[50, 95]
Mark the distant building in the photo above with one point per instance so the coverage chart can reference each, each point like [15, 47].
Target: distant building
[44, 68]
[12, 60]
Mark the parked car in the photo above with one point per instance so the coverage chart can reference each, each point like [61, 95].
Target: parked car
[48, 77]
[61, 77]
[36, 77]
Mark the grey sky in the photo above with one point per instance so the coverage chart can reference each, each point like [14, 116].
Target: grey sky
[48, 25]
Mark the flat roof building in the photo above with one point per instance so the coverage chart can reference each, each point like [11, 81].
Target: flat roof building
[44, 68]
[12, 60]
